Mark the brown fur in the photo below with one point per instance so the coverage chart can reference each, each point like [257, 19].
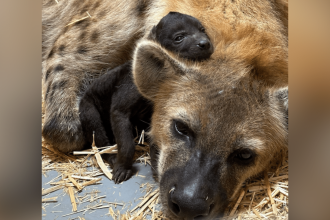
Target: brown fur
[228, 99]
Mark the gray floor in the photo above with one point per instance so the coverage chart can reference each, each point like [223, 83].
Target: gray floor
[128, 193]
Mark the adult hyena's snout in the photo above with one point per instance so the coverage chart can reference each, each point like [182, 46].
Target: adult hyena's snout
[189, 201]
[193, 193]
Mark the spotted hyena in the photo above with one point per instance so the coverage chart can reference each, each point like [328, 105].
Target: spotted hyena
[215, 124]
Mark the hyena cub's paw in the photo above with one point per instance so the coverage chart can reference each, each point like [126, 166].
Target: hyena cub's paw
[121, 173]
[120, 170]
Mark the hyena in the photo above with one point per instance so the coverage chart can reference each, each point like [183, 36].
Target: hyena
[112, 105]
[215, 123]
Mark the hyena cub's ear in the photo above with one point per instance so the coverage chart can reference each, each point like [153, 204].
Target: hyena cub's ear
[153, 66]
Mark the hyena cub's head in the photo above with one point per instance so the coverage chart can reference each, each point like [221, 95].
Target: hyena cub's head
[184, 35]
[215, 124]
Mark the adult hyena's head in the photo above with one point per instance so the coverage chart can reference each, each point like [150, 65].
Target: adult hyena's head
[215, 123]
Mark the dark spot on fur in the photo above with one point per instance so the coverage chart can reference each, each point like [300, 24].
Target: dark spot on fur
[57, 86]
[83, 24]
[82, 49]
[61, 48]
[58, 68]
[102, 13]
[94, 37]
[48, 72]
[141, 7]
[84, 9]
[50, 3]
[96, 5]
[65, 29]
[51, 54]
[82, 36]
[47, 91]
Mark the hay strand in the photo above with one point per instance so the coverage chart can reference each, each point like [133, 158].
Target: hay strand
[237, 203]
[100, 161]
[73, 200]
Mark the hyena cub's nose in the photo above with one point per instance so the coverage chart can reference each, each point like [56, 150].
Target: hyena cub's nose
[204, 44]
[187, 204]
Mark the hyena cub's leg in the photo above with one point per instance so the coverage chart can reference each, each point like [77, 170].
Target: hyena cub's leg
[92, 122]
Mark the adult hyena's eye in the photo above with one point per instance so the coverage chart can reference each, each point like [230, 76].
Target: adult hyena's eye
[244, 156]
[181, 128]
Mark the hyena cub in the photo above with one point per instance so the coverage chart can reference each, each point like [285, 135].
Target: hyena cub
[112, 106]
[184, 35]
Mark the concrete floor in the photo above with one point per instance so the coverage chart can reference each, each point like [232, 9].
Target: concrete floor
[128, 192]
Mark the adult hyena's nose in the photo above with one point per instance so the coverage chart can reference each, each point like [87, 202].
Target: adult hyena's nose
[192, 195]
[186, 202]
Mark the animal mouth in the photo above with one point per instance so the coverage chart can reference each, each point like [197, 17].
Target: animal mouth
[203, 217]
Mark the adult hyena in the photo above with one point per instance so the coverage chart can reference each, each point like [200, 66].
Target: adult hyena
[215, 123]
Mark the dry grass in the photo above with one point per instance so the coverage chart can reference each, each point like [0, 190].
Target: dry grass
[265, 198]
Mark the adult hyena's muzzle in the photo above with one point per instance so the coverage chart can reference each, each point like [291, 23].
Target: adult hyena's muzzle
[192, 191]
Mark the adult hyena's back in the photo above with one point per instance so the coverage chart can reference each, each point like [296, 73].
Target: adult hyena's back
[75, 54]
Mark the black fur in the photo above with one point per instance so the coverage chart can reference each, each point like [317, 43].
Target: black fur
[112, 105]
[184, 35]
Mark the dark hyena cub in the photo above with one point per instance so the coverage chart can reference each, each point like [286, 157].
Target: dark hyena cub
[184, 35]
[112, 105]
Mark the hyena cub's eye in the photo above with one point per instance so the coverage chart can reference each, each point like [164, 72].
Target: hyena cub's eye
[181, 128]
[202, 29]
[179, 39]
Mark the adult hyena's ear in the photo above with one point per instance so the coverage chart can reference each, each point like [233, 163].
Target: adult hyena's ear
[270, 67]
[152, 34]
[273, 76]
[153, 66]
